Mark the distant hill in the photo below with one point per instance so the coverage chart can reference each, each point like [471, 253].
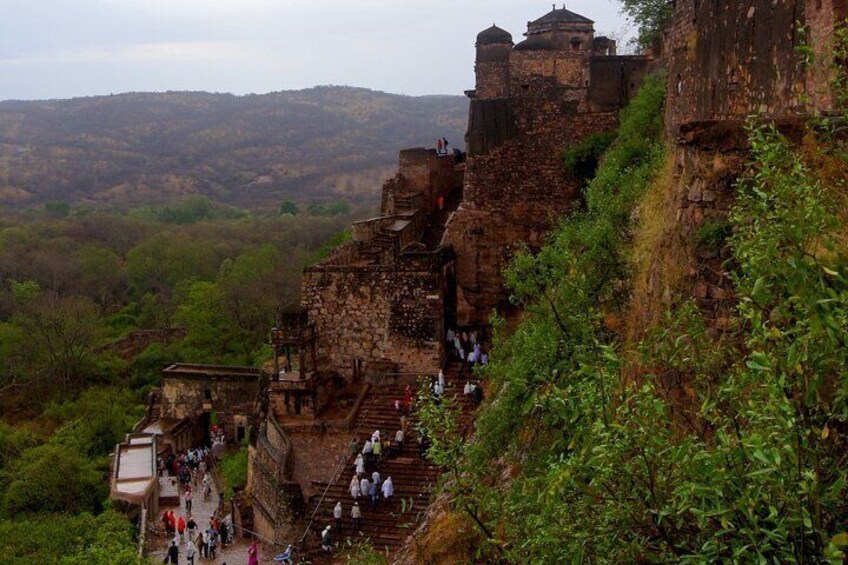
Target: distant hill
[322, 143]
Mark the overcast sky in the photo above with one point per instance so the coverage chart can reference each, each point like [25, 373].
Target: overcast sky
[66, 48]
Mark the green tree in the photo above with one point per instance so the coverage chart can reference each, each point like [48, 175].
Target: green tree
[650, 16]
[288, 207]
[57, 209]
[61, 333]
[52, 478]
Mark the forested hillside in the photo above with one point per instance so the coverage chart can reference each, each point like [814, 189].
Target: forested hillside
[324, 143]
[70, 287]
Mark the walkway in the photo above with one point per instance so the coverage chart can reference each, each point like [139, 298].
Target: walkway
[202, 510]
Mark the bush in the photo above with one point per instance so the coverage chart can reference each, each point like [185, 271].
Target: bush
[69, 540]
[234, 471]
[582, 160]
[53, 478]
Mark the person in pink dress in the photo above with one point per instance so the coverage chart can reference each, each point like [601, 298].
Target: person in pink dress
[253, 554]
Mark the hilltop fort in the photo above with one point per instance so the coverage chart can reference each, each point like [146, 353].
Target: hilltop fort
[376, 313]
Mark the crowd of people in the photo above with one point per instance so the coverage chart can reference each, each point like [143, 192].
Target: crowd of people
[466, 347]
[187, 535]
[196, 542]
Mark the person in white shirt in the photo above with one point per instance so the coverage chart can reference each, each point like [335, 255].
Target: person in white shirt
[356, 515]
[337, 514]
[388, 489]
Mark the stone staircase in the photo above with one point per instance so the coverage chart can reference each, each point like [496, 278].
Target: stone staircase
[436, 228]
[414, 477]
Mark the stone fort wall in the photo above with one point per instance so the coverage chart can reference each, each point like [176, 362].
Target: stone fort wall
[379, 315]
[727, 60]
[514, 195]
[731, 59]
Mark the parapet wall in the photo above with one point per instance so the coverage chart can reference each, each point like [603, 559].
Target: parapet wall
[735, 58]
[565, 68]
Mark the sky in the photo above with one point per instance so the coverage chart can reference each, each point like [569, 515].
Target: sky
[68, 48]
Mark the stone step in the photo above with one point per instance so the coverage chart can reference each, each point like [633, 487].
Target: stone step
[414, 478]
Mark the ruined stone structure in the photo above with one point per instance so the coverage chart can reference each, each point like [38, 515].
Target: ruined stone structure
[197, 392]
[532, 101]
[378, 304]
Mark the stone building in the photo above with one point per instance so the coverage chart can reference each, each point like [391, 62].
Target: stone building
[210, 394]
[532, 101]
[379, 303]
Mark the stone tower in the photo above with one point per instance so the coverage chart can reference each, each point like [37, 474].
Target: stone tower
[532, 101]
[562, 30]
[492, 63]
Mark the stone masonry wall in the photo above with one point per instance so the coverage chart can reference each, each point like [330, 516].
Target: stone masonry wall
[377, 314]
[565, 68]
[231, 399]
[492, 79]
[515, 193]
[422, 175]
[726, 60]
[734, 58]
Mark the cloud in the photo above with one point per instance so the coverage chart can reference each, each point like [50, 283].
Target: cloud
[184, 51]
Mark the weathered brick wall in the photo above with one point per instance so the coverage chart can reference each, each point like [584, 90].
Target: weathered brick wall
[515, 194]
[377, 314]
[492, 79]
[726, 61]
[614, 80]
[734, 58]
[231, 399]
[490, 123]
[822, 16]
[566, 68]
[423, 175]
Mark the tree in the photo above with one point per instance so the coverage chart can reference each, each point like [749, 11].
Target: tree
[288, 207]
[651, 17]
[57, 209]
[53, 478]
[60, 337]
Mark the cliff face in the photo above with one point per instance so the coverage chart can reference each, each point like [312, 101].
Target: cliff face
[726, 61]
[687, 459]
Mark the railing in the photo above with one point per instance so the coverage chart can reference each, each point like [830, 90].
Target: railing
[153, 399]
[142, 531]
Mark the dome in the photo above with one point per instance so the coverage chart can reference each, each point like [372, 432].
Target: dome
[562, 16]
[493, 35]
[536, 43]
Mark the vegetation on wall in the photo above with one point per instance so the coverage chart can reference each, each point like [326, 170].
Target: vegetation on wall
[590, 454]
[556, 375]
